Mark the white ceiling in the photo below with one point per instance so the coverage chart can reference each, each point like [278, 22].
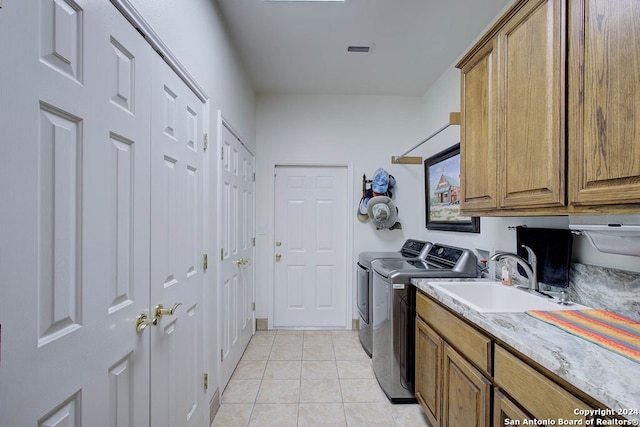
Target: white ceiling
[301, 47]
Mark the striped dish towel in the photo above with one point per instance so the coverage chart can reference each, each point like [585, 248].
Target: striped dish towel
[609, 330]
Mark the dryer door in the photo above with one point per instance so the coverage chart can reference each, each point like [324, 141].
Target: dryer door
[364, 274]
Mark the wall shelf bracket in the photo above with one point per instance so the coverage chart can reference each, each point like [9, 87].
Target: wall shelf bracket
[454, 119]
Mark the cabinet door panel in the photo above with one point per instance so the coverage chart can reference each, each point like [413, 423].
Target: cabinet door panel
[459, 334]
[467, 394]
[536, 393]
[605, 131]
[532, 119]
[478, 131]
[428, 382]
[505, 411]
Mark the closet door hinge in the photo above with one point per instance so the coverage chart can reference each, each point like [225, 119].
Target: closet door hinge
[221, 355]
[253, 306]
[205, 262]
[221, 254]
[206, 381]
[254, 242]
[222, 153]
[205, 139]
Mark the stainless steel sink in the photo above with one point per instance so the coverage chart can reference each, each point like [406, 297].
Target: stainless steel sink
[494, 297]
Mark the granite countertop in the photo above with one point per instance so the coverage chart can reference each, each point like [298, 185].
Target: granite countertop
[608, 377]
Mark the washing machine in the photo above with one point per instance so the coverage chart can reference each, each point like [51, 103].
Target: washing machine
[394, 312]
[411, 248]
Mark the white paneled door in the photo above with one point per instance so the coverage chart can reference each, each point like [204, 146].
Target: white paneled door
[79, 216]
[310, 274]
[236, 231]
[177, 365]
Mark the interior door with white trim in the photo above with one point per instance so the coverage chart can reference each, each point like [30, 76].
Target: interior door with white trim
[74, 185]
[178, 395]
[236, 231]
[310, 273]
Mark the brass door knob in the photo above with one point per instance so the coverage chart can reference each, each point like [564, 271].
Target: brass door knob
[278, 257]
[161, 311]
[142, 321]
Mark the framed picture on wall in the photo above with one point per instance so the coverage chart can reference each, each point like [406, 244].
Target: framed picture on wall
[442, 193]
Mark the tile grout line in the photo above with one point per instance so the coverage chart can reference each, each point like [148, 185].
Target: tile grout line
[347, 342]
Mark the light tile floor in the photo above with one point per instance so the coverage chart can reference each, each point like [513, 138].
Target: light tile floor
[309, 378]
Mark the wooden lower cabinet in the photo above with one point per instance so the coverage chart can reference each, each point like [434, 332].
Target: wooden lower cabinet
[463, 378]
[506, 412]
[459, 334]
[466, 393]
[536, 393]
[450, 389]
[428, 373]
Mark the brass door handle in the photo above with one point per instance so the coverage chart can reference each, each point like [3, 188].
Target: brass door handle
[161, 311]
[142, 321]
[241, 261]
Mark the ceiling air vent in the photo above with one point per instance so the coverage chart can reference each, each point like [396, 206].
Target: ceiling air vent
[293, 1]
[365, 48]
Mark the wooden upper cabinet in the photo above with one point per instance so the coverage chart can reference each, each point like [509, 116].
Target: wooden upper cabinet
[478, 130]
[531, 119]
[604, 102]
[513, 147]
[550, 111]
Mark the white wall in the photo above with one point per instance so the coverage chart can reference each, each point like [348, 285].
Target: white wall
[194, 31]
[364, 130]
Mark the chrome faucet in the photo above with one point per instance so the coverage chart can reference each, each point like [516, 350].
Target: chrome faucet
[529, 266]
